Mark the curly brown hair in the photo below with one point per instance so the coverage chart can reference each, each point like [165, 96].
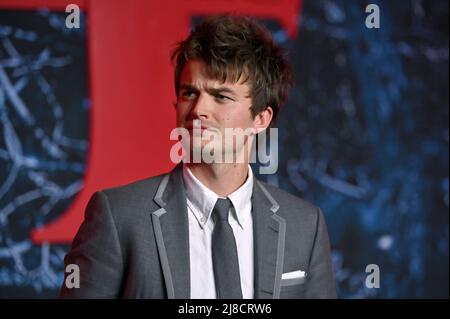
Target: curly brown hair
[232, 46]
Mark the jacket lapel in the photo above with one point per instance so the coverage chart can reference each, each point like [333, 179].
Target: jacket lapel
[269, 239]
[171, 228]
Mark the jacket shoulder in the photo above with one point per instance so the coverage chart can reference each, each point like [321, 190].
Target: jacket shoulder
[134, 189]
[133, 199]
[288, 200]
[291, 205]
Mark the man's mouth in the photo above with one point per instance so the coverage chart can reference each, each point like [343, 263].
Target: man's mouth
[202, 127]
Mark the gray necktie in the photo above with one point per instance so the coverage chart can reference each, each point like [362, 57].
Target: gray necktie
[224, 254]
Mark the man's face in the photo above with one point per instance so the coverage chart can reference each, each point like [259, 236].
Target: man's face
[218, 105]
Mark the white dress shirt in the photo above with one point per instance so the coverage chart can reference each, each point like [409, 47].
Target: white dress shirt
[200, 203]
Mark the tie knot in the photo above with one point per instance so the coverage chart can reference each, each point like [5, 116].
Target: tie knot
[221, 208]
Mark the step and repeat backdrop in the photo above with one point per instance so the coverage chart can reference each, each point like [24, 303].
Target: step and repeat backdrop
[86, 102]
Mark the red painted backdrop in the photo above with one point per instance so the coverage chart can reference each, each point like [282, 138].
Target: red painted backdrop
[131, 86]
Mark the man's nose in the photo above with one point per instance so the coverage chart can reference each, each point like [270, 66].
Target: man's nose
[200, 107]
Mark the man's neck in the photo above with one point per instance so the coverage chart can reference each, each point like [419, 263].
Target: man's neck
[222, 179]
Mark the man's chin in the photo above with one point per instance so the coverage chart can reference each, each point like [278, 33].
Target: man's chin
[201, 155]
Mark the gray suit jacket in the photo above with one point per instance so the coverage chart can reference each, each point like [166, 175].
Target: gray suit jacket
[134, 243]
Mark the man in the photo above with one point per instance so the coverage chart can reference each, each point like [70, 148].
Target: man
[209, 229]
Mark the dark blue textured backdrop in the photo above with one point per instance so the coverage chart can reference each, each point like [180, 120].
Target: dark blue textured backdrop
[364, 135]
[43, 142]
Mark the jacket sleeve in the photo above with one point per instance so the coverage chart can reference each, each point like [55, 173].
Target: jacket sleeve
[320, 283]
[96, 253]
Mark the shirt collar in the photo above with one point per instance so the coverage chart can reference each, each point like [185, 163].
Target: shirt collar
[202, 200]
[242, 199]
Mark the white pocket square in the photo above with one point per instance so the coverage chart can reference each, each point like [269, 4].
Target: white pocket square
[293, 278]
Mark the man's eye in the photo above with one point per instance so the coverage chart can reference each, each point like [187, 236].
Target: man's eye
[221, 97]
[188, 94]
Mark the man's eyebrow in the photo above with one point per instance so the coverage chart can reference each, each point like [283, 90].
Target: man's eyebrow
[212, 91]
[220, 90]
[185, 86]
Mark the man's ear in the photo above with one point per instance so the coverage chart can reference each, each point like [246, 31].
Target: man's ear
[263, 119]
